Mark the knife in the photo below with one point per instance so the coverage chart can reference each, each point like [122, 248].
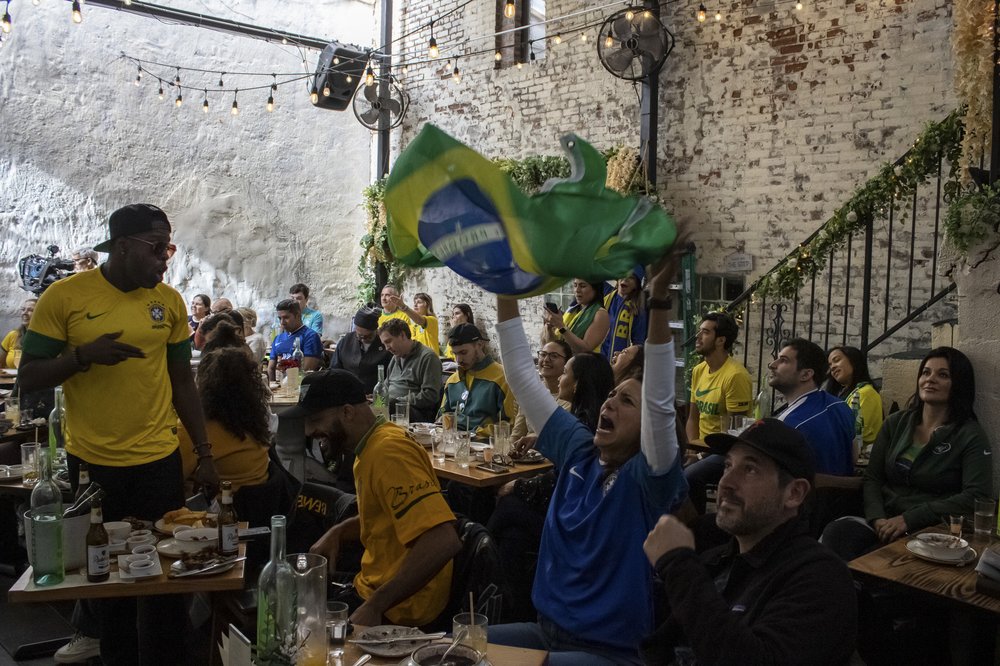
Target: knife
[398, 639]
[217, 565]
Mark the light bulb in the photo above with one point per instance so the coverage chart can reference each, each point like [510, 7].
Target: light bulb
[509, 9]
[583, 36]
[456, 75]
[432, 48]
[609, 42]
[138, 81]
[718, 15]
[160, 94]
[326, 91]
[349, 78]
[702, 13]
[204, 105]
[336, 60]
[236, 108]
[284, 40]
[647, 14]
[369, 77]
[520, 64]
[128, 3]
[5, 25]
[314, 94]
[77, 14]
[558, 39]
[178, 101]
[270, 104]
[629, 15]
[798, 6]
[498, 56]
[406, 69]
[36, 2]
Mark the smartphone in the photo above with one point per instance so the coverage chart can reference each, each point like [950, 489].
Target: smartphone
[551, 307]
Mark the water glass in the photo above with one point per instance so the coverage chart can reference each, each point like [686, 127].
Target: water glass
[985, 516]
[336, 626]
[463, 448]
[30, 460]
[401, 414]
[438, 439]
[12, 411]
[501, 430]
[474, 626]
[488, 450]
[739, 423]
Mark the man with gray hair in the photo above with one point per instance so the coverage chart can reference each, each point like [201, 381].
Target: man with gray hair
[84, 259]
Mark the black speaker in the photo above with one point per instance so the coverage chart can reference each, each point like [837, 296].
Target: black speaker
[339, 71]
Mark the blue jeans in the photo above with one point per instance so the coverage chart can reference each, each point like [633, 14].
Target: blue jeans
[564, 648]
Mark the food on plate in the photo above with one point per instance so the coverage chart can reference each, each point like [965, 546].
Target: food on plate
[185, 516]
[197, 559]
[135, 523]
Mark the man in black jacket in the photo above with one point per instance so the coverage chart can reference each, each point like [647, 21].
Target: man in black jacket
[360, 352]
[773, 594]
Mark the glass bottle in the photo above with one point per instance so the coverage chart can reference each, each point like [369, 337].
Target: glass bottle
[762, 407]
[380, 395]
[275, 601]
[98, 557]
[293, 375]
[46, 527]
[84, 483]
[229, 539]
[859, 424]
[57, 424]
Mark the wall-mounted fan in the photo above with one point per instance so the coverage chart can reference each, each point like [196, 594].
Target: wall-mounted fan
[381, 105]
[633, 44]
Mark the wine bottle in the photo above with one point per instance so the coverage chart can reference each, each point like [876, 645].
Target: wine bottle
[275, 600]
[81, 507]
[380, 395]
[229, 539]
[57, 424]
[98, 557]
[46, 527]
[83, 486]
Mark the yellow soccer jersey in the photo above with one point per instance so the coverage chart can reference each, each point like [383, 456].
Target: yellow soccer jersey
[118, 415]
[728, 390]
[398, 314]
[427, 335]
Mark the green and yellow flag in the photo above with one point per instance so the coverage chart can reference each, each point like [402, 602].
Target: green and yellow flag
[449, 205]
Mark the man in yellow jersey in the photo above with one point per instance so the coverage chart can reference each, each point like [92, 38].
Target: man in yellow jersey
[389, 298]
[117, 339]
[403, 521]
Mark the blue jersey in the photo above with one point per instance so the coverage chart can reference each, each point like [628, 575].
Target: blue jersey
[593, 578]
[827, 423]
[628, 325]
[309, 342]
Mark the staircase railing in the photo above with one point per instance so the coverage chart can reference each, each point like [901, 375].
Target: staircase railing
[870, 271]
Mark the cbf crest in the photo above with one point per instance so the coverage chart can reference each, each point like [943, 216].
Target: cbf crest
[157, 313]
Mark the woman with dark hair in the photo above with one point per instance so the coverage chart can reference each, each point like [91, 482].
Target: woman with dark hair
[627, 313]
[235, 400]
[849, 380]
[930, 460]
[201, 306]
[585, 325]
[585, 383]
[552, 360]
[461, 313]
[628, 363]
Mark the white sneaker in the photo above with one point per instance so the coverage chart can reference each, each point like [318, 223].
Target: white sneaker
[78, 650]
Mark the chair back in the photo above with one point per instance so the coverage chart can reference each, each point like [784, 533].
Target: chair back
[276, 496]
[477, 569]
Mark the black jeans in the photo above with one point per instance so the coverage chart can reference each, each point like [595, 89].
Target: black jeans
[143, 630]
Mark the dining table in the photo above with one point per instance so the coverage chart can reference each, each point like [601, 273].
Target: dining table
[498, 655]
[476, 477]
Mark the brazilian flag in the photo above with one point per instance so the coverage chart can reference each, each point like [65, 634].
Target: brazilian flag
[449, 205]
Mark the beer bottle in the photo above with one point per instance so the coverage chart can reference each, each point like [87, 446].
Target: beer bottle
[228, 535]
[98, 557]
[84, 484]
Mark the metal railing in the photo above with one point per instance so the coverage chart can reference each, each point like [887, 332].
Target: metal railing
[874, 287]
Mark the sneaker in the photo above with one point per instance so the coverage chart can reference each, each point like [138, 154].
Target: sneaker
[78, 650]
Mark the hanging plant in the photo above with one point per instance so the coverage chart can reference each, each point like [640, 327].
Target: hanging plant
[375, 245]
[973, 217]
[972, 45]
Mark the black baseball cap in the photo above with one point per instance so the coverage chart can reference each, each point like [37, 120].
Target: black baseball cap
[367, 318]
[464, 334]
[131, 220]
[784, 445]
[328, 388]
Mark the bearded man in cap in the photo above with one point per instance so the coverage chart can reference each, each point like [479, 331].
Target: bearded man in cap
[117, 339]
[477, 392]
[774, 594]
[403, 521]
[360, 352]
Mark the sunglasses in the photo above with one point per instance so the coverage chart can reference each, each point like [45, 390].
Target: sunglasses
[159, 247]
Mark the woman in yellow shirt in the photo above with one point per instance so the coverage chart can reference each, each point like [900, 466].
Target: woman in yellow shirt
[10, 348]
[423, 321]
[850, 380]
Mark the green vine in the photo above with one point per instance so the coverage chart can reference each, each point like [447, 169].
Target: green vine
[973, 217]
[871, 202]
[529, 174]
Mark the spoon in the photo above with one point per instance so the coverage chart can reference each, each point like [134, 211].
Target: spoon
[454, 644]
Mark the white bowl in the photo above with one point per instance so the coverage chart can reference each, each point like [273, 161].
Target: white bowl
[146, 549]
[118, 530]
[181, 528]
[940, 546]
[200, 538]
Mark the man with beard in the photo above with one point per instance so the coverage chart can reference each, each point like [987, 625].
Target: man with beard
[773, 594]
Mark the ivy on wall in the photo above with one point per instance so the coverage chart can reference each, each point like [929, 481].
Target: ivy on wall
[624, 175]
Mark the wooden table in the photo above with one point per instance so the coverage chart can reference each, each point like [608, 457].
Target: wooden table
[499, 655]
[75, 586]
[479, 478]
[895, 564]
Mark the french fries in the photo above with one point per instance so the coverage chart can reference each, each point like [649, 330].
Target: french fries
[184, 516]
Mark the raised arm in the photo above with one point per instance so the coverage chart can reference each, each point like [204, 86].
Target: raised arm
[533, 398]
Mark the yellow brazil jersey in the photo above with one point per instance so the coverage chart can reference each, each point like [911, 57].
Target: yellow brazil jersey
[871, 411]
[12, 347]
[117, 415]
[427, 335]
[399, 499]
[398, 314]
[728, 390]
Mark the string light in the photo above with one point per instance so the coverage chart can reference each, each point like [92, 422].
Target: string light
[36, 2]
[221, 84]
[432, 45]
[128, 3]
[160, 94]
[370, 76]
[6, 23]
[336, 60]
[177, 79]
[326, 90]
[609, 42]
[531, 47]
[179, 100]
[236, 107]
[583, 36]
[456, 76]
[314, 94]
[718, 15]
[349, 78]
[798, 6]
[520, 64]
[702, 13]
[509, 9]
[270, 96]
[77, 14]
[405, 69]
[498, 56]
[558, 39]
[204, 105]
[138, 77]
[629, 15]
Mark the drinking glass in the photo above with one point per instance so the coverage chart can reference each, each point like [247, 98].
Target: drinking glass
[401, 414]
[336, 626]
[438, 439]
[26, 416]
[488, 450]
[279, 377]
[475, 627]
[13, 409]
[984, 518]
[501, 430]
[738, 423]
[29, 458]
[955, 525]
[463, 448]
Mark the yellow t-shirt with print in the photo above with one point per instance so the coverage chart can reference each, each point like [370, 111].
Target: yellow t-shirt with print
[398, 314]
[871, 412]
[117, 415]
[12, 348]
[399, 499]
[427, 335]
[728, 390]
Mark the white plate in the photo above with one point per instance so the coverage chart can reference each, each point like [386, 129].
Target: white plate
[395, 649]
[169, 547]
[168, 528]
[177, 567]
[918, 549]
[9, 372]
[11, 472]
[153, 571]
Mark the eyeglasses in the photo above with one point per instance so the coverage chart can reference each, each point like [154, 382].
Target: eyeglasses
[543, 355]
[159, 247]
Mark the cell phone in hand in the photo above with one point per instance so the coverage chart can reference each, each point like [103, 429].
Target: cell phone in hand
[551, 307]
